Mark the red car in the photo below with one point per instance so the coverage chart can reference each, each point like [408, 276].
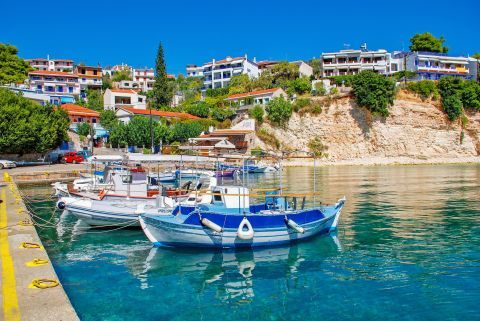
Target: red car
[72, 157]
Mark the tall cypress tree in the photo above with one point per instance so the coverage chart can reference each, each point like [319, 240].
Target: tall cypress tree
[162, 91]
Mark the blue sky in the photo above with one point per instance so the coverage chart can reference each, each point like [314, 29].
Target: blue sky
[195, 31]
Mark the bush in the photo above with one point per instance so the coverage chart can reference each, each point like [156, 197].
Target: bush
[279, 111]
[268, 138]
[452, 106]
[300, 85]
[221, 113]
[424, 88]
[200, 109]
[257, 113]
[300, 103]
[84, 129]
[317, 147]
[374, 92]
[217, 92]
[470, 95]
[182, 131]
[320, 90]
[28, 127]
[108, 119]
[346, 80]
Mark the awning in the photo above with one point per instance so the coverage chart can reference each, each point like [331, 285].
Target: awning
[459, 62]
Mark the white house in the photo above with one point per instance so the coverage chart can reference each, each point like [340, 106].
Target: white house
[245, 101]
[125, 114]
[64, 65]
[433, 66]
[351, 62]
[217, 73]
[116, 98]
[304, 69]
[62, 85]
[145, 77]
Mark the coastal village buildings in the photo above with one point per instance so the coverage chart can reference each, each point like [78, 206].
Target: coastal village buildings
[217, 73]
[116, 98]
[89, 78]
[304, 69]
[351, 62]
[64, 65]
[61, 85]
[145, 78]
[125, 114]
[433, 66]
[248, 100]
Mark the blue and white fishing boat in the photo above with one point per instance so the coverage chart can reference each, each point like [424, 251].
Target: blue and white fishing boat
[224, 218]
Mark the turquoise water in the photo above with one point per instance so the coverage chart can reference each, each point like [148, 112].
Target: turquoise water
[407, 248]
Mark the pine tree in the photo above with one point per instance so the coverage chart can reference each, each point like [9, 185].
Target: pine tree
[162, 92]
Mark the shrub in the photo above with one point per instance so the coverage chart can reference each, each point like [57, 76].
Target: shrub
[424, 88]
[300, 103]
[257, 113]
[200, 109]
[182, 131]
[470, 95]
[84, 129]
[346, 80]
[452, 105]
[217, 92]
[221, 113]
[317, 147]
[334, 91]
[300, 85]
[268, 138]
[374, 92]
[320, 90]
[279, 111]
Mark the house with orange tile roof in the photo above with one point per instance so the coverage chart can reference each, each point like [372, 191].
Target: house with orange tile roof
[63, 85]
[125, 114]
[79, 114]
[89, 77]
[217, 73]
[116, 98]
[262, 97]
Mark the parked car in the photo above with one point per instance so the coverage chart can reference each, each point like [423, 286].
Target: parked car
[72, 157]
[84, 153]
[7, 164]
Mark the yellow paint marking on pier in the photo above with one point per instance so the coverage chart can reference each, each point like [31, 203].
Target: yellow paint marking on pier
[11, 312]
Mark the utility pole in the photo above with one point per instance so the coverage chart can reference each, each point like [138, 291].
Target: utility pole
[151, 130]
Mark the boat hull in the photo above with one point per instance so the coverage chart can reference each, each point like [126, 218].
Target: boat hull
[163, 232]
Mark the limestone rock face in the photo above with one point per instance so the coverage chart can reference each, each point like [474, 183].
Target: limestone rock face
[414, 130]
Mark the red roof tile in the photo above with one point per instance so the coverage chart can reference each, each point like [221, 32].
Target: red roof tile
[52, 73]
[77, 110]
[123, 91]
[254, 93]
[160, 113]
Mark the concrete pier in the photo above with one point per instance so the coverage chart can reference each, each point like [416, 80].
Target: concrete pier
[24, 262]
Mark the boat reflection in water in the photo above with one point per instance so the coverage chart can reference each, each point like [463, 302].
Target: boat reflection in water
[232, 273]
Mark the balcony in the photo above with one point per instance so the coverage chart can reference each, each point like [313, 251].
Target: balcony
[443, 70]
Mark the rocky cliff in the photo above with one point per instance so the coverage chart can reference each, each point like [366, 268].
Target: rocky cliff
[415, 132]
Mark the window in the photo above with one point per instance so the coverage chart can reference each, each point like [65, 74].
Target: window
[80, 119]
[217, 197]
[95, 72]
[70, 89]
[94, 120]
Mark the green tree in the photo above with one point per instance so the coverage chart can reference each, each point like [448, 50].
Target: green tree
[221, 113]
[120, 75]
[94, 100]
[163, 133]
[162, 89]
[470, 95]
[374, 92]
[427, 42]
[300, 85]
[184, 130]
[108, 119]
[476, 55]
[240, 84]
[200, 109]
[279, 111]
[138, 131]
[12, 68]
[257, 113]
[106, 82]
[84, 129]
[118, 135]
[424, 88]
[316, 65]
[452, 105]
[28, 127]
[284, 72]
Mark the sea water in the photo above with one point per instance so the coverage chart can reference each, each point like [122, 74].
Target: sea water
[407, 248]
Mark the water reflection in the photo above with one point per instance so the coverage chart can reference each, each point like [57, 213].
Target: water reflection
[231, 273]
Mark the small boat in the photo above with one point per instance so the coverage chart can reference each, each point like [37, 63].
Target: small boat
[225, 219]
[225, 173]
[165, 177]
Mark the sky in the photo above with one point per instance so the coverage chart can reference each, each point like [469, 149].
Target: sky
[194, 32]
